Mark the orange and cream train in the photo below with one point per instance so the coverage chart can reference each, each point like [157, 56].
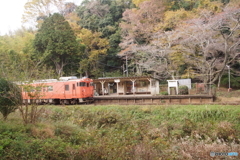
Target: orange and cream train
[66, 90]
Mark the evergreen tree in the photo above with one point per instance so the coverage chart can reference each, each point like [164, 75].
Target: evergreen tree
[56, 43]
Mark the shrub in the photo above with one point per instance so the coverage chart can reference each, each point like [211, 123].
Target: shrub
[106, 121]
[183, 90]
[123, 132]
[226, 131]
[164, 93]
[10, 97]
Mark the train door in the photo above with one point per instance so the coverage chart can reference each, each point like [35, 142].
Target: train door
[87, 89]
[66, 91]
[82, 89]
[74, 90]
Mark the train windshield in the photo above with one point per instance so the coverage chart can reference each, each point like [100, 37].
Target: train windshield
[81, 84]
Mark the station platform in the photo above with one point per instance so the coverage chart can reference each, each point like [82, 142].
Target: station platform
[149, 99]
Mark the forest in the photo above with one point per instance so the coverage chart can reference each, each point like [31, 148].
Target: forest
[167, 39]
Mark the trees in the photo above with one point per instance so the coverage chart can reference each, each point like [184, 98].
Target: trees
[103, 17]
[19, 64]
[95, 47]
[35, 11]
[56, 43]
[201, 47]
[171, 38]
[196, 43]
[10, 97]
[92, 48]
[211, 42]
[140, 24]
[189, 5]
[17, 60]
[137, 29]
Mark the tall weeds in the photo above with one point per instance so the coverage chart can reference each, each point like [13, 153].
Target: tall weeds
[123, 132]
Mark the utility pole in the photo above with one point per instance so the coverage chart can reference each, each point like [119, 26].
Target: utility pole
[126, 66]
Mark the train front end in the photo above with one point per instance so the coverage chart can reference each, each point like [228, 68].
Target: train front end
[85, 89]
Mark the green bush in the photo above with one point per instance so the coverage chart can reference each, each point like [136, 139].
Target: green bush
[164, 93]
[10, 97]
[183, 90]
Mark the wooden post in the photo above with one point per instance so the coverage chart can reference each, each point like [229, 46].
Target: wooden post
[117, 81]
[150, 81]
[117, 87]
[102, 82]
[133, 87]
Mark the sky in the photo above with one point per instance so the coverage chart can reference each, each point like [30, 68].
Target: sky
[11, 14]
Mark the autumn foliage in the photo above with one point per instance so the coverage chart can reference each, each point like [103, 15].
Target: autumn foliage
[167, 39]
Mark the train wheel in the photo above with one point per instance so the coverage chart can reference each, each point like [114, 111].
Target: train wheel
[62, 102]
[56, 101]
[66, 101]
[73, 101]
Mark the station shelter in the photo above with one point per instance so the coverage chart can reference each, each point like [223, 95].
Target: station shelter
[126, 85]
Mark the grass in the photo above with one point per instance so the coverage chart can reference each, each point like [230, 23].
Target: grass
[123, 132]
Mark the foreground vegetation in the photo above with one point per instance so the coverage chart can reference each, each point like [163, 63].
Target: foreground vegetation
[123, 132]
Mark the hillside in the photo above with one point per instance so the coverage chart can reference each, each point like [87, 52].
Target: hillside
[164, 38]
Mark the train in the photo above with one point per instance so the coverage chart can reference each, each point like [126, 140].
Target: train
[65, 90]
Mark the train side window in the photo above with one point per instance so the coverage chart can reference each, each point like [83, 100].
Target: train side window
[50, 88]
[82, 84]
[66, 87]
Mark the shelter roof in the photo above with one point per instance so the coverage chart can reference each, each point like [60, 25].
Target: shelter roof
[111, 79]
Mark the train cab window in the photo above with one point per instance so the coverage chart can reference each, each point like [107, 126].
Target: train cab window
[82, 84]
[50, 88]
[66, 87]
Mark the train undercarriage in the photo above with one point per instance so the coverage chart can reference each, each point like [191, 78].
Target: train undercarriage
[59, 101]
